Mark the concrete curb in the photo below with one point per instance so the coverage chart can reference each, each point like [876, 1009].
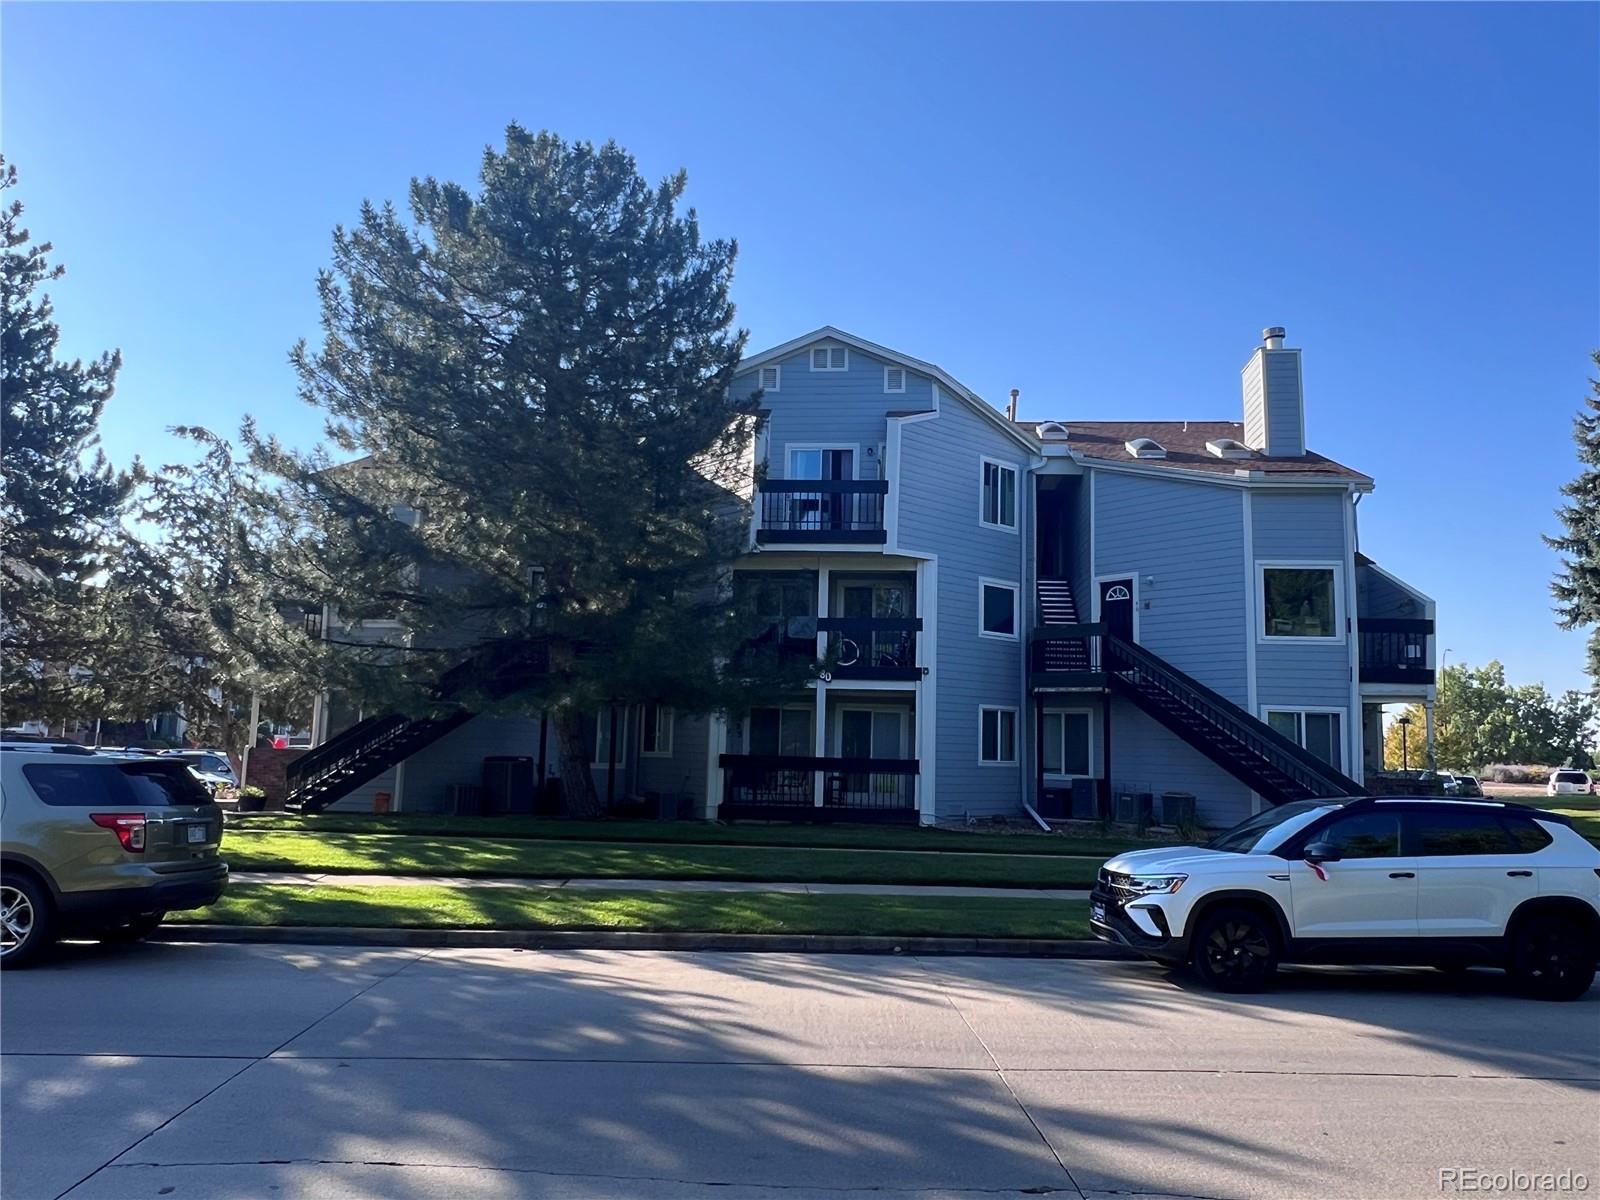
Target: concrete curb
[601, 939]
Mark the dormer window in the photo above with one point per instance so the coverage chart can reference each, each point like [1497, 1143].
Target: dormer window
[1052, 431]
[829, 358]
[1226, 447]
[894, 379]
[1145, 448]
[771, 379]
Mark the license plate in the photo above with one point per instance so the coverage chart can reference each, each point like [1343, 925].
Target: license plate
[197, 834]
[1097, 911]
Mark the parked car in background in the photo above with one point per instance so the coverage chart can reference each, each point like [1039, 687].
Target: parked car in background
[210, 767]
[1403, 880]
[1567, 782]
[1468, 785]
[100, 846]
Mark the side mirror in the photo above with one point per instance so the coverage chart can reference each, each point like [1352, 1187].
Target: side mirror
[1321, 852]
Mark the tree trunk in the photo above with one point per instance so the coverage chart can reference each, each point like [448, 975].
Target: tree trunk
[577, 782]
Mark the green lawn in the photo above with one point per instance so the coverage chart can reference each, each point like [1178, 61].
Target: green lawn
[699, 912]
[1583, 811]
[705, 833]
[419, 855]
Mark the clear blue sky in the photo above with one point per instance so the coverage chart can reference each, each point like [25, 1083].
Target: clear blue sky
[1101, 206]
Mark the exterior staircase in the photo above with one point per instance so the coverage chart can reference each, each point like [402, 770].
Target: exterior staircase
[360, 754]
[1057, 607]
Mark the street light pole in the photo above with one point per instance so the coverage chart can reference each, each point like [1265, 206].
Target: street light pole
[1405, 750]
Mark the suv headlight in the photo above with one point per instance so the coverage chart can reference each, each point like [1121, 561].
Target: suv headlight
[1151, 885]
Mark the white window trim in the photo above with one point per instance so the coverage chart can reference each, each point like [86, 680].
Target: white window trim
[1016, 609]
[666, 717]
[854, 447]
[602, 727]
[1341, 632]
[1096, 598]
[1316, 709]
[1016, 735]
[894, 391]
[777, 378]
[1094, 742]
[830, 347]
[1016, 494]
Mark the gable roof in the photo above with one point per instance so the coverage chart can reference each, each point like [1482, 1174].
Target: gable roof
[831, 333]
[1185, 444]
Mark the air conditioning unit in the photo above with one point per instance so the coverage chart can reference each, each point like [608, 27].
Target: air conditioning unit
[1177, 808]
[1134, 808]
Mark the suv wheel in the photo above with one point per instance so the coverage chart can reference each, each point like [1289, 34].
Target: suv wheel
[25, 920]
[1235, 950]
[135, 930]
[1552, 958]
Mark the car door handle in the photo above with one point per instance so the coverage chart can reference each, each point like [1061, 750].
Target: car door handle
[1520, 874]
[1402, 874]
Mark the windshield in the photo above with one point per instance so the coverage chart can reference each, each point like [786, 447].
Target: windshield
[1249, 833]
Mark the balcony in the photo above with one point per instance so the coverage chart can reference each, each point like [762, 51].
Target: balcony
[1066, 658]
[827, 511]
[883, 648]
[1396, 650]
[782, 787]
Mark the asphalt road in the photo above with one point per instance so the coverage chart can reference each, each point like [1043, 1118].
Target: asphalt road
[211, 1072]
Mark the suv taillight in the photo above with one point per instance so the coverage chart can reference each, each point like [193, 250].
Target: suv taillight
[129, 828]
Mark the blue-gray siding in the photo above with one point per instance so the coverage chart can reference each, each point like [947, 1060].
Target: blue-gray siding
[940, 472]
[1301, 526]
[1379, 596]
[1185, 543]
[684, 770]
[1147, 757]
[1285, 436]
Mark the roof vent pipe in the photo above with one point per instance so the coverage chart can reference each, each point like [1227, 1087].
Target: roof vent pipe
[1011, 409]
[1273, 337]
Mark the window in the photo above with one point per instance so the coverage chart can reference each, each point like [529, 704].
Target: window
[1439, 834]
[602, 736]
[771, 379]
[997, 735]
[1318, 732]
[656, 732]
[1368, 835]
[1299, 602]
[1529, 836]
[829, 358]
[787, 731]
[130, 785]
[999, 503]
[1066, 743]
[998, 609]
[894, 379]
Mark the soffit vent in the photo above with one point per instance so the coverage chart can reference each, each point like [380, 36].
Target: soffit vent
[1145, 448]
[1229, 448]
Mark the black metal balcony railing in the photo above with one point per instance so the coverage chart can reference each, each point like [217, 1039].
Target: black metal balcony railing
[1066, 650]
[822, 510]
[872, 647]
[784, 786]
[1395, 649]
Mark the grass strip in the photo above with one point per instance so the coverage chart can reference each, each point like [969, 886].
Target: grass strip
[705, 833]
[659, 912]
[491, 857]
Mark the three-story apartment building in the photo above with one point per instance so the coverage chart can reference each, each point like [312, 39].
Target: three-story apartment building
[1062, 615]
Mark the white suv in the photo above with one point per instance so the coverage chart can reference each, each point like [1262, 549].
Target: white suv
[1448, 883]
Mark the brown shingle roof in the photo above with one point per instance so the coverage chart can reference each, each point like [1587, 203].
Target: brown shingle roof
[1185, 444]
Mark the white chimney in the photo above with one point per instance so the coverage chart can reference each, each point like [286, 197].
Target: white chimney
[1274, 401]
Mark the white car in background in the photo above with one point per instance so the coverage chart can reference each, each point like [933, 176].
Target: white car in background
[210, 767]
[1567, 782]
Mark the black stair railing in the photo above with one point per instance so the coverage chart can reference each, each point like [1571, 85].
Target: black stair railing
[872, 647]
[338, 753]
[1144, 674]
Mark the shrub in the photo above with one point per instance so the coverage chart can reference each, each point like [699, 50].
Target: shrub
[1515, 773]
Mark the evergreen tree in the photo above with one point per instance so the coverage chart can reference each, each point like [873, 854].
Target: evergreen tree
[62, 503]
[536, 378]
[1577, 586]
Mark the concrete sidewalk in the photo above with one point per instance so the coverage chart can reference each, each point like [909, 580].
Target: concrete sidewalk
[655, 885]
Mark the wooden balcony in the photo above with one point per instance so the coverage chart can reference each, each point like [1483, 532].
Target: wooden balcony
[826, 511]
[782, 787]
[883, 648]
[1396, 650]
[1066, 658]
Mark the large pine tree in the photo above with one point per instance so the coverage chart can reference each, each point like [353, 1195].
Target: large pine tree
[62, 502]
[1577, 585]
[539, 373]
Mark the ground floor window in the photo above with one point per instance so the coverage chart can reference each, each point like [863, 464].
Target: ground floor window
[997, 729]
[787, 731]
[1066, 743]
[1318, 732]
[656, 731]
[872, 733]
